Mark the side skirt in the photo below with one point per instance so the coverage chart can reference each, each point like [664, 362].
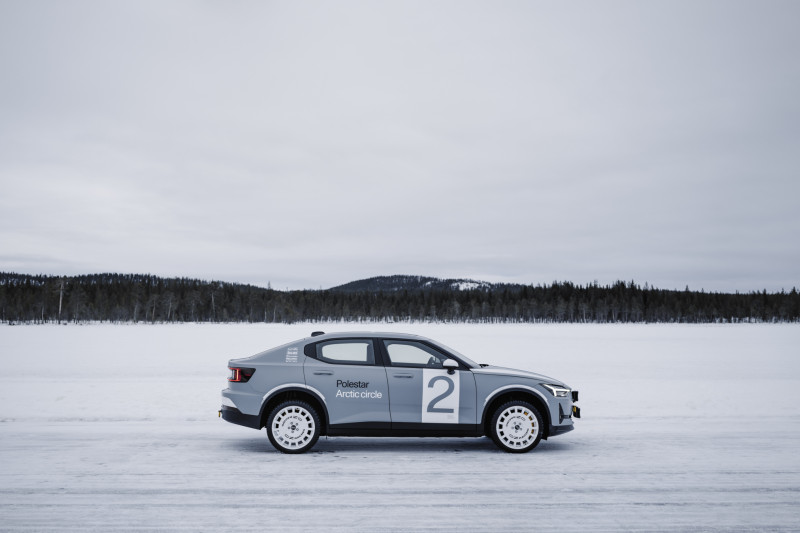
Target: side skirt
[383, 429]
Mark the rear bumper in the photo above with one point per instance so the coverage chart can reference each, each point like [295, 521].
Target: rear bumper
[235, 416]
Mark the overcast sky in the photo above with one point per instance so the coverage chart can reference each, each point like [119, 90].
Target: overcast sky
[308, 144]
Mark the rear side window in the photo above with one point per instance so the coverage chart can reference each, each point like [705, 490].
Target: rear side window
[347, 352]
[413, 354]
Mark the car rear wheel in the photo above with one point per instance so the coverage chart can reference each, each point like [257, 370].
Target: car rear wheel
[293, 427]
[516, 427]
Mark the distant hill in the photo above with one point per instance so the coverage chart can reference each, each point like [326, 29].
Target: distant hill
[414, 283]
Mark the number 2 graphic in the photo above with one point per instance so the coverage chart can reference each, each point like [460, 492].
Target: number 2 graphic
[450, 387]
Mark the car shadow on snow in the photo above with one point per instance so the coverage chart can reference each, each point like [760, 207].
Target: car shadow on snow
[409, 445]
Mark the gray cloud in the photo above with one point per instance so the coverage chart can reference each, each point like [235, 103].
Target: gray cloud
[308, 143]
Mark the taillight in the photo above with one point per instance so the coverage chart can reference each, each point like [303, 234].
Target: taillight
[240, 375]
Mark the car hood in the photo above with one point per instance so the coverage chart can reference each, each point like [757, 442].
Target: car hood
[502, 371]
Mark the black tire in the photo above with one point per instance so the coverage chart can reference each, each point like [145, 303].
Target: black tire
[516, 427]
[293, 426]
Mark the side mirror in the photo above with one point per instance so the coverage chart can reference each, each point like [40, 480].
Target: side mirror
[450, 365]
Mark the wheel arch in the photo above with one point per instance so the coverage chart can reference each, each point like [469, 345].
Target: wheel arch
[295, 392]
[504, 395]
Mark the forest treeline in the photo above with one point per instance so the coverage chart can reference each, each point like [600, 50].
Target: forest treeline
[145, 298]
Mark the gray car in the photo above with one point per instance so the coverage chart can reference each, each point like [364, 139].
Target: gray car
[390, 384]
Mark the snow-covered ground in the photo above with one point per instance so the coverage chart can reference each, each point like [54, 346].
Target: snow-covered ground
[685, 428]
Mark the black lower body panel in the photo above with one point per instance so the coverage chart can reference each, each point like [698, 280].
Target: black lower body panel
[413, 429]
[408, 429]
[359, 429]
[558, 430]
[235, 416]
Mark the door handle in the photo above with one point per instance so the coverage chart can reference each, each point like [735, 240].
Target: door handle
[323, 373]
[403, 375]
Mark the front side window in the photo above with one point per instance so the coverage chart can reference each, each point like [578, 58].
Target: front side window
[413, 354]
[347, 352]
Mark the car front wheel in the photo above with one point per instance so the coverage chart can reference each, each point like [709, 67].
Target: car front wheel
[293, 427]
[516, 427]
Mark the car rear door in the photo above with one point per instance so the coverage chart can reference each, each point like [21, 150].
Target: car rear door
[421, 391]
[352, 381]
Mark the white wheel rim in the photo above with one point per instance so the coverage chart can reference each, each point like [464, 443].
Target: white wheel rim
[293, 427]
[517, 427]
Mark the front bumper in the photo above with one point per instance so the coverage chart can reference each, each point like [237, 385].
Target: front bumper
[567, 412]
[235, 416]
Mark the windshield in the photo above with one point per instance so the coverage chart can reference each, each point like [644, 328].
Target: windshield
[469, 362]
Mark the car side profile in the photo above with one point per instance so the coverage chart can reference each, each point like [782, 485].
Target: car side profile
[390, 384]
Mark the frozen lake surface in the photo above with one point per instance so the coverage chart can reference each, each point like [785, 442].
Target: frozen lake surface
[685, 428]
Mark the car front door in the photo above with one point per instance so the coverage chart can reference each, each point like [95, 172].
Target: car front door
[421, 391]
[353, 383]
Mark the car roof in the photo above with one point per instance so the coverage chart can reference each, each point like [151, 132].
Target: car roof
[366, 334]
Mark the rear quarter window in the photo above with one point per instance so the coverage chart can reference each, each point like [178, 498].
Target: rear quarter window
[346, 352]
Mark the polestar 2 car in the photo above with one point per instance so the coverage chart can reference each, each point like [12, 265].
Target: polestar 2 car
[390, 384]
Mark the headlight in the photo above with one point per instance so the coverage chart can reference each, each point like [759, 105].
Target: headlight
[557, 390]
